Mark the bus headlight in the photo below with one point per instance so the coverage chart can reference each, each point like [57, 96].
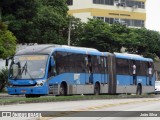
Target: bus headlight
[40, 83]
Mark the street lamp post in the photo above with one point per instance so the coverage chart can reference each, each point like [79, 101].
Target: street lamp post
[69, 33]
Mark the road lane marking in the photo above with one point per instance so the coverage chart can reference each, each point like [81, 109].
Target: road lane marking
[63, 114]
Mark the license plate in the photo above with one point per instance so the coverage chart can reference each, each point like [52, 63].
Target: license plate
[23, 91]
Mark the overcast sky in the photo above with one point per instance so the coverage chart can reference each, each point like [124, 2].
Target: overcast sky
[153, 15]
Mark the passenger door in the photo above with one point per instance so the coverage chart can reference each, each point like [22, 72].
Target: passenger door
[88, 71]
[131, 71]
[112, 81]
[103, 70]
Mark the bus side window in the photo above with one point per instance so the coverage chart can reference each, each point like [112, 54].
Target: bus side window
[99, 60]
[95, 64]
[105, 64]
[52, 67]
[102, 64]
[150, 72]
[86, 63]
[89, 64]
[82, 64]
[61, 61]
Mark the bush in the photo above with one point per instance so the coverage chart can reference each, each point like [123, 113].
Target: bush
[7, 42]
[3, 78]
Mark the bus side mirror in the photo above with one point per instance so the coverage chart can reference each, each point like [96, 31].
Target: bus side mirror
[52, 61]
[7, 59]
[6, 64]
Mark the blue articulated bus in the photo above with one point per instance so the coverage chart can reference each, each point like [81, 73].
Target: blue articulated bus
[66, 70]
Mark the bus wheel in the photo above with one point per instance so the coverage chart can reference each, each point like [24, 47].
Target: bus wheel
[96, 89]
[139, 90]
[27, 95]
[63, 89]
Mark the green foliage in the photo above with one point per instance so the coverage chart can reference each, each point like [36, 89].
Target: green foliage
[7, 42]
[51, 22]
[76, 30]
[59, 6]
[46, 21]
[148, 42]
[40, 21]
[120, 36]
[18, 14]
[3, 78]
[96, 34]
[111, 38]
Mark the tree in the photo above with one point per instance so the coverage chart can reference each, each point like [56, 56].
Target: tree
[7, 42]
[51, 16]
[111, 38]
[125, 37]
[40, 21]
[18, 14]
[149, 42]
[96, 34]
[3, 78]
[76, 30]
[121, 36]
[105, 37]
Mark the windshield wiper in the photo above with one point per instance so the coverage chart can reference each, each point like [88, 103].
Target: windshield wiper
[26, 71]
[24, 68]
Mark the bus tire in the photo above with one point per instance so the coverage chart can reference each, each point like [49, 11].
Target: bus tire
[63, 89]
[28, 95]
[31, 96]
[139, 90]
[96, 89]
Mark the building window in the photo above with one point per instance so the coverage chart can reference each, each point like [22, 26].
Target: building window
[127, 22]
[123, 3]
[143, 5]
[134, 23]
[69, 2]
[130, 3]
[107, 20]
[139, 23]
[100, 18]
[116, 20]
[104, 2]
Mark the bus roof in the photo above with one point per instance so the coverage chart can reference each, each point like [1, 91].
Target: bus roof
[37, 49]
[49, 48]
[132, 57]
[80, 50]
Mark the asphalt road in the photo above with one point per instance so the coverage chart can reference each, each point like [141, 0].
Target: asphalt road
[116, 109]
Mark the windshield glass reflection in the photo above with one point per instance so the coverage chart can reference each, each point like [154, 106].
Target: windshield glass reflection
[28, 66]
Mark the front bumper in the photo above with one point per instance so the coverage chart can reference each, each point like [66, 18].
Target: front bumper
[43, 90]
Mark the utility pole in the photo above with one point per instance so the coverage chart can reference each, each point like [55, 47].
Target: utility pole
[0, 14]
[69, 33]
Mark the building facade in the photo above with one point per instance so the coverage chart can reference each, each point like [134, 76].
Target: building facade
[131, 13]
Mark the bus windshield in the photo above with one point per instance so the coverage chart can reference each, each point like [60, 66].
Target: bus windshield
[28, 67]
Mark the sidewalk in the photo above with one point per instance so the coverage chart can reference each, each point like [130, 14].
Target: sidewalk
[7, 95]
[3, 94]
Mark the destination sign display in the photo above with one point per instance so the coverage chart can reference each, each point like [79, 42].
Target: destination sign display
[33, 57]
